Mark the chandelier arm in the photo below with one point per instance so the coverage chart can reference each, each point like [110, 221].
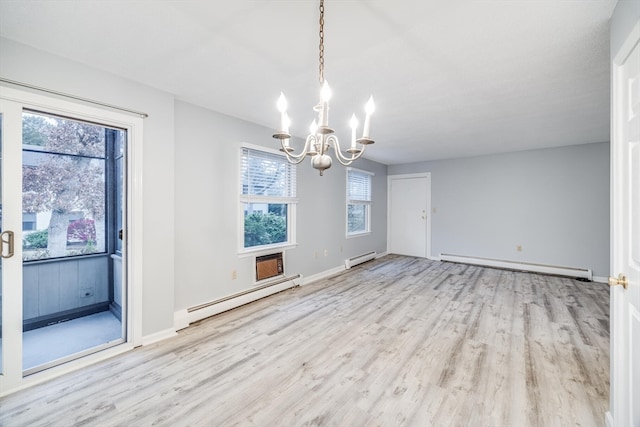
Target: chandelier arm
[298, 158]
[294, 159]
[344, 160]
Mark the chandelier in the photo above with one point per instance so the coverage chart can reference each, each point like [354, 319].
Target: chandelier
[321, 137]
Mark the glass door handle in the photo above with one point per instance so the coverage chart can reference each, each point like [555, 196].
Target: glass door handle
[6, 238]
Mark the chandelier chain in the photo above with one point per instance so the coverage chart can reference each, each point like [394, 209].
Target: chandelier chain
[321, 47]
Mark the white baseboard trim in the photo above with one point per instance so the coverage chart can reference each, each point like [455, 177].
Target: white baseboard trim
[333, 271]
[323, 275]
[158, 336]
[600, 279]
[519, 265]
[181, 319]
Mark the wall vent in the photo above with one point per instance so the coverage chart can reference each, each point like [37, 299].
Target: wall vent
[268, 266]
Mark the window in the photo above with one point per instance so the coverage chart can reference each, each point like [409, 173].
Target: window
[358, 202]
[267, 199]
[66, 180]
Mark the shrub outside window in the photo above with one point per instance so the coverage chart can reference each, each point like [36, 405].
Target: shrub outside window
[358, 202]
[267, 199]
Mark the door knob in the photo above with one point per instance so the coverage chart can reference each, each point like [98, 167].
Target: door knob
[620, 280]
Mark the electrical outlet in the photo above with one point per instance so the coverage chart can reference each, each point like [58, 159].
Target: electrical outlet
[234, 274]
[326, 252]
[519, 248]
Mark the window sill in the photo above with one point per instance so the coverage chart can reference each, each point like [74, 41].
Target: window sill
[265, 250]
[363, 233]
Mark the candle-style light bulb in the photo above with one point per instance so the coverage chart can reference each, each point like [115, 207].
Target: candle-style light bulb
[325, 95]
[282, 107]
[313, 128]
[369, 108]
[282, 103]
[354, 125]
[286, 122]
[325, 92]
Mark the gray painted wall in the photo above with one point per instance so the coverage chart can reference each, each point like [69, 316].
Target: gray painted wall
[190, 175]
[25, 64]
[624, 17]
[207, 209]
[552, 202]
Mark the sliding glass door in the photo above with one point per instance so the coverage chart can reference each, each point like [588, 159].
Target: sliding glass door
[63, 217]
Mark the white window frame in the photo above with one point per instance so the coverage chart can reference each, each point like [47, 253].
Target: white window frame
[291, 203]
[366, 203]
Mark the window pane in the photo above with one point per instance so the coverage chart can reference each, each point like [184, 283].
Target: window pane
[358, 186]
[63, 183]
[265, 224]
[357, 218]
[60, 135]
[267, 174]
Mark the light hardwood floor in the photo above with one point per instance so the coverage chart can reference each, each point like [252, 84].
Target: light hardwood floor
[399, 341]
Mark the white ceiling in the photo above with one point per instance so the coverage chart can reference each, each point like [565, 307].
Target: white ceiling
[450, 78]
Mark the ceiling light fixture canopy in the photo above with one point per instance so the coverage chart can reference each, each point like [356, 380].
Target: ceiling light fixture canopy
[321, 137]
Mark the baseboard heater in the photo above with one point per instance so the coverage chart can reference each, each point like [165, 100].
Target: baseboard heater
[583, 273]
[248, 291]
[352, 262]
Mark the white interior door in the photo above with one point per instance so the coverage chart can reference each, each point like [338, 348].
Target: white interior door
[409, 219]
[625, 242]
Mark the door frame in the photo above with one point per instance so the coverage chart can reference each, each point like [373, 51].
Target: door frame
[12, 379]
[427, 176]
[619, 401]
